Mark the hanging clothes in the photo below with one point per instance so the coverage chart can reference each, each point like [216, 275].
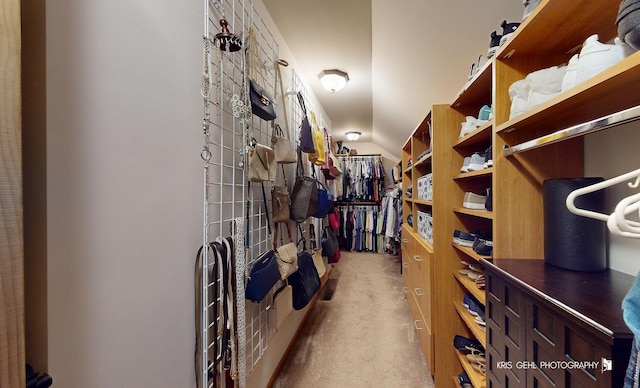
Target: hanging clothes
[362, 178]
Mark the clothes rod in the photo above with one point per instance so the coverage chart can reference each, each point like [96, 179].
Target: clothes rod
[612, 120]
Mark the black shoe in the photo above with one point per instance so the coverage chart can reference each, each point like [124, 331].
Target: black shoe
[464, 380]
[495, 43]
[466, 345]
[507, 30]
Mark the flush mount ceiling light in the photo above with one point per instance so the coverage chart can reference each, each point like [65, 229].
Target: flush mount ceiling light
[333, 80]
[353, 135]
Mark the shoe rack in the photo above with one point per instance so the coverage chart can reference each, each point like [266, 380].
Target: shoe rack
[516, 221]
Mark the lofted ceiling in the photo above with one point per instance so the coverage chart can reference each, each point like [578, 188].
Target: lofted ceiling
[402, 56]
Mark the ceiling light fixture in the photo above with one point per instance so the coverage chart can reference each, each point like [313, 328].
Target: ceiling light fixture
[353, 135]
[333, 80]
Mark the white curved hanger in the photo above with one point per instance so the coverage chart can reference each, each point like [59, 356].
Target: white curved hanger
[626, 206]
[599, 186]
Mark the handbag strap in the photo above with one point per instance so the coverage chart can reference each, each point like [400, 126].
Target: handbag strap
[266, 209]
[299, 167]
[302, 239]
[275, 234]
[301, 101]
[281, 62]
[312, 237]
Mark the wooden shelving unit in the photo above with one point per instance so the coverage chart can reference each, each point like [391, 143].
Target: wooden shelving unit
[516, 220]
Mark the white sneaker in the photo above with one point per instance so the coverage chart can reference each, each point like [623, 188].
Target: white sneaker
[473, 201]
[465, 164]
[476, 163]
[545, 84]
[596, 57]
[519, 94]
[468, 126]
[529, 6]
[569, 79]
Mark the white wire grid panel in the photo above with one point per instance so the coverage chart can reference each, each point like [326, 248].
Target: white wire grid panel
[228, 206]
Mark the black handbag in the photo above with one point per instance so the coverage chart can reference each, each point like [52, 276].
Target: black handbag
[305, 282]
[304, 198]
[261, 102]
[329, 241]
[306, 132]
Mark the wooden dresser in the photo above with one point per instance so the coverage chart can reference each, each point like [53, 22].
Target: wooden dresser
[551, 327]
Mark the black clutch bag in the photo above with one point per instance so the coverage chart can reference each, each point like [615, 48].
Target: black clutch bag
[261, 102]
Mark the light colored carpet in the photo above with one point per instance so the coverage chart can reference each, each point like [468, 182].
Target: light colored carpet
[363, 336]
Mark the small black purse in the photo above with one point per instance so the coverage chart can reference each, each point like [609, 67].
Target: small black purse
[261, 102]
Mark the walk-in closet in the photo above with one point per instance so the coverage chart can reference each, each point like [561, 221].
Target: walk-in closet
[297, 193]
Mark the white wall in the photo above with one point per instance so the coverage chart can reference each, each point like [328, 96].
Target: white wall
[608, 154]
[124, 190]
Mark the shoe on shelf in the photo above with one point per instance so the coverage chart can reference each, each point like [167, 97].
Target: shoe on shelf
[472, 307]
[481, 62]
[569, 79]
[595, 57]
[507, 30]
[467, 345]
[476, 268]
[482, 369]
[519, 95]
[466, 239]
[456, 236]
[481, 282]
[488, 203]
[529, 6]
[484, 248]
[494, 44]
[545, 84]
[473, 275]
[464, 380]
[467, 126]
[628, 22]
[465, 300]
[476, 163]
[488, 157]
[476, 358]
[484, 115]
[474, 201]
[465, 164]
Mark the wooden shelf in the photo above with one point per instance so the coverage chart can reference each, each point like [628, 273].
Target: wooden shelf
[470, 286]
[572, 23]
[477, 89]
[482, 135]
[424, 160]
[477, 379]
[423, 202]
[476, 213]
[473, 174]
[610, 91]
[474, 326]
[469, 252]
